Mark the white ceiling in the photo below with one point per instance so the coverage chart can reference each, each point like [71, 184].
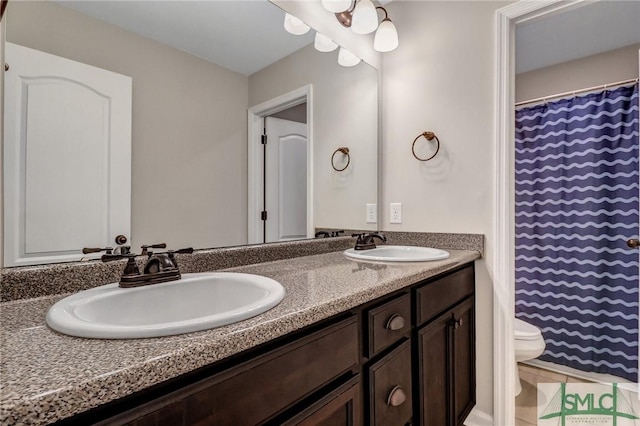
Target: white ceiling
[241, 35]
[588, 30]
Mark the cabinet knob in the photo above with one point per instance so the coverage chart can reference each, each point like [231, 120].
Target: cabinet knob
[395, 322]
[458, 323]
[396, 397]
[633, 243]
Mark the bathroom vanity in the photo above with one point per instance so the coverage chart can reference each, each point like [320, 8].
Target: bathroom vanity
[351, 343]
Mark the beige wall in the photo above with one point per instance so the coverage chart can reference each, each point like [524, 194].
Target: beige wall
[608, 67]
[345, 111]
[441, 79]
[189, 185]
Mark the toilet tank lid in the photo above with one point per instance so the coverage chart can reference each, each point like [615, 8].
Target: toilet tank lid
[525, 331]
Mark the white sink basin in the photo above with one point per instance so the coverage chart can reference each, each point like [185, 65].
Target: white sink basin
[398, 254]
[195, 302]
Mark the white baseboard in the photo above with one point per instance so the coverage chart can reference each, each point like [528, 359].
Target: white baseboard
[478, 418]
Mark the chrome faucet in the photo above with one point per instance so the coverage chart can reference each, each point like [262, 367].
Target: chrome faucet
[366, 241]
[159, 268]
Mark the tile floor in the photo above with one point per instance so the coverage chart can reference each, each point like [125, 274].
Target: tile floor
[526, 402]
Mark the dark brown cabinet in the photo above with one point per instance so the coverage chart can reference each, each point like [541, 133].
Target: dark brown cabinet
[408, 358]
[257, 390]
[341, 407]
[390, 387]
[446, 359]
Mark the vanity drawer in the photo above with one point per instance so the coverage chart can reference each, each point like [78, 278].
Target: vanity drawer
[253, 392]
[390, 388]
[388, 323]
[437, 296]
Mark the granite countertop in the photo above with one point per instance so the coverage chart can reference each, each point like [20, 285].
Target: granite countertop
[46, 376]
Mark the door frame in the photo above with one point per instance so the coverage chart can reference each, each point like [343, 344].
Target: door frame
[256, 115]
[504, 186]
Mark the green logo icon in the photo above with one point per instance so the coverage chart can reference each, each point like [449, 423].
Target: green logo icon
[610, 404]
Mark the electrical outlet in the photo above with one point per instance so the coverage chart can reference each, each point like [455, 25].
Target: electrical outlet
[372, 214]
[395, 215]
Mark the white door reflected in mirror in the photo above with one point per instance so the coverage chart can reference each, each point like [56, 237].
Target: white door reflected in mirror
[285, 180]
[67, 157]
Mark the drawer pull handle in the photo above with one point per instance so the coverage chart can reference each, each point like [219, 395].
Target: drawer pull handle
[396, 322]
[396, 397]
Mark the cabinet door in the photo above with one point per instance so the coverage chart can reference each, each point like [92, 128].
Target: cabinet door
[433, 372]
[341, 407]
[463, 360]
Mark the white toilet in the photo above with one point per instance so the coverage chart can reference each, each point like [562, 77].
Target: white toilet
[529, 344]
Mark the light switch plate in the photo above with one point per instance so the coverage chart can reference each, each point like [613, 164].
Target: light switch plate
[395, 213]
[372, 213]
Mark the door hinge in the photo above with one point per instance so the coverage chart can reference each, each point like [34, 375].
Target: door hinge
[264, 139]
[263, 215]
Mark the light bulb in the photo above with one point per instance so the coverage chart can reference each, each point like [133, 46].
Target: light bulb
[294, 25]
[323, 43]
[386, 38]
[365, 18]
[347, 59]
[336, 6]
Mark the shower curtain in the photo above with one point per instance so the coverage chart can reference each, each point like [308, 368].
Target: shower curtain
[577, 200]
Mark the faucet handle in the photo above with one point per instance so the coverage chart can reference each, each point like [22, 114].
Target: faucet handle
[187, 250]
[130, 269]
[88, 250]
[145, 248]
[111, 257]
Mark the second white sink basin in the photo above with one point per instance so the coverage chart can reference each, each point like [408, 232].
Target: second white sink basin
[193, 303]
[398, 254]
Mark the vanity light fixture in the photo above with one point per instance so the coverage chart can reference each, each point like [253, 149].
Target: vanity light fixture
[386, 38]
[294, 25]
[323, 43]
[365, 18]
[347, 59]
[336, 6]
[362, 17]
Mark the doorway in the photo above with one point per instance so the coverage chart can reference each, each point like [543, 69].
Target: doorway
[280, 168]
[504, 236]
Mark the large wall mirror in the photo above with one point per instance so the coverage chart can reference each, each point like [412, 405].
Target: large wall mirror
[198, 72]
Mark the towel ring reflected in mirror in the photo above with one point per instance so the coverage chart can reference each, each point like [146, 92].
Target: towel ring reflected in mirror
[428, 136]
[345, 151]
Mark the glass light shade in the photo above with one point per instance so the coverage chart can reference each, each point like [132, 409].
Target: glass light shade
[347, 59]
[336, 6]
[294, 25]
[323, 43]
[386, 38]
[365, 18]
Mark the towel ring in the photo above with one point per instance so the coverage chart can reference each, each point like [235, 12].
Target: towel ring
[345, 151]
[428, 136]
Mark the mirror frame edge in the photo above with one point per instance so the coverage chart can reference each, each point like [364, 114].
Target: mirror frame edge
[3, 9]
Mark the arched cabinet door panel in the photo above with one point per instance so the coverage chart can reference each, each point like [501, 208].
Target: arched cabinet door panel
[67, 157]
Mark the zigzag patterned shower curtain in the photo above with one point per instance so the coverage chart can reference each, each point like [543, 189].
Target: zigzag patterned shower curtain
[577, 200]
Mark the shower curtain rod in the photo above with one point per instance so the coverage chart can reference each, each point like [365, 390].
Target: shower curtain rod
[575, 92]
